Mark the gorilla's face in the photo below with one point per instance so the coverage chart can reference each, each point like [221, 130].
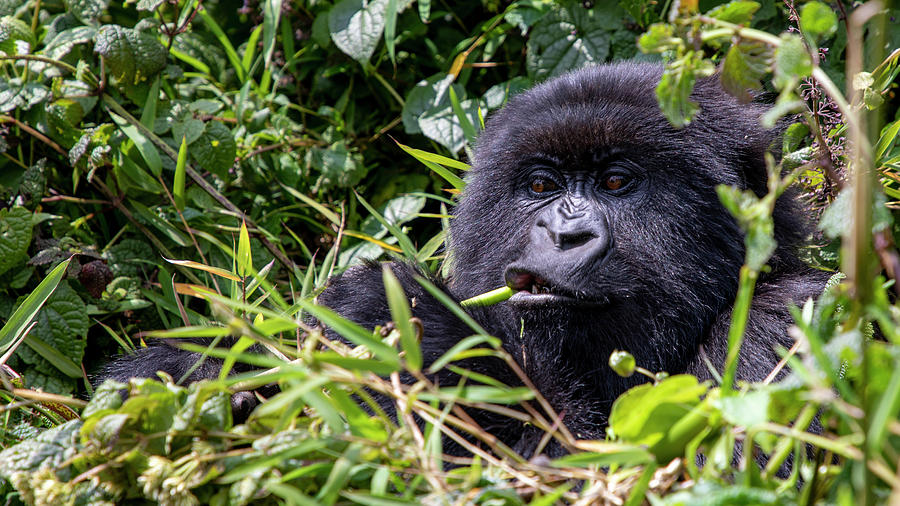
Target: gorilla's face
[594, 209]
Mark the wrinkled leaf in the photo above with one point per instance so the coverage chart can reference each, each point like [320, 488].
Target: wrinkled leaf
[131, 56]
[566, 38]
[215, 149]
[60, 333]
[15, 236]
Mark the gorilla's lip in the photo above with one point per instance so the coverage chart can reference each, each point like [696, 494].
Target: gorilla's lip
[535, 290]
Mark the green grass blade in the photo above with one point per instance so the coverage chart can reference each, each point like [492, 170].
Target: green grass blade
[400, 313]
[12, 331]
[226, 45]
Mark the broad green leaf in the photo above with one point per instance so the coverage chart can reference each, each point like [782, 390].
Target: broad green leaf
[356, 26]
[443, 124]
[427, 94]
[817, 21]
[15, 236]
[131, 56]
[655, 415]
[745, 410]
[189, 128]
[390, 28]
[731, 494]
[566, 38]
[63, 117]
[215, 149]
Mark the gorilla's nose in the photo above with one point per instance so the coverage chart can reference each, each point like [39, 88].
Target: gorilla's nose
[584, 235]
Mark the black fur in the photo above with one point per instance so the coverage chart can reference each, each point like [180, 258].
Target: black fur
[651, 268]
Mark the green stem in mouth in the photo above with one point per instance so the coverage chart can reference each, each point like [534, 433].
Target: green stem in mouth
[489, 298]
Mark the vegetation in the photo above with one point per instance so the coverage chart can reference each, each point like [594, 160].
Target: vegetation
[178, 168]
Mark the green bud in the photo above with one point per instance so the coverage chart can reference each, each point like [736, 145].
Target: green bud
[622, 362]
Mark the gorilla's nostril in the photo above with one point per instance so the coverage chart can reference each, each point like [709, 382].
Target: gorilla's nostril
[575, 239]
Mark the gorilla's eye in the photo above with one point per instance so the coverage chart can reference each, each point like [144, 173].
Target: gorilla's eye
[542, 185]
[615, 182]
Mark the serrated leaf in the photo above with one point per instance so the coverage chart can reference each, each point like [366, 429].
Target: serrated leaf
[15, 236]
[658, 38]
[792, 61]
[12, 30]
[564, 39]
[87, 11]
[675, 87]
[817, 21]
[215, 149]
[15, 95]
[131, 56]
[744, 67]
[48, 450]
[356, 27]
[738, 12]
[63, 116]
[191, 129]
[148, 5]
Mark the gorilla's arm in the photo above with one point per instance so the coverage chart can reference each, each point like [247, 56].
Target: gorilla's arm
[358, 295]
[767, 326]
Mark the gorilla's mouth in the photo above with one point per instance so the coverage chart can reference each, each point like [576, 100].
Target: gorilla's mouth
[533, 289]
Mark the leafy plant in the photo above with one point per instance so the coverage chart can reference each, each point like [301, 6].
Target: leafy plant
[174, 169]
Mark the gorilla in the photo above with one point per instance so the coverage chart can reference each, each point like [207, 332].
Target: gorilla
[605, 221]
